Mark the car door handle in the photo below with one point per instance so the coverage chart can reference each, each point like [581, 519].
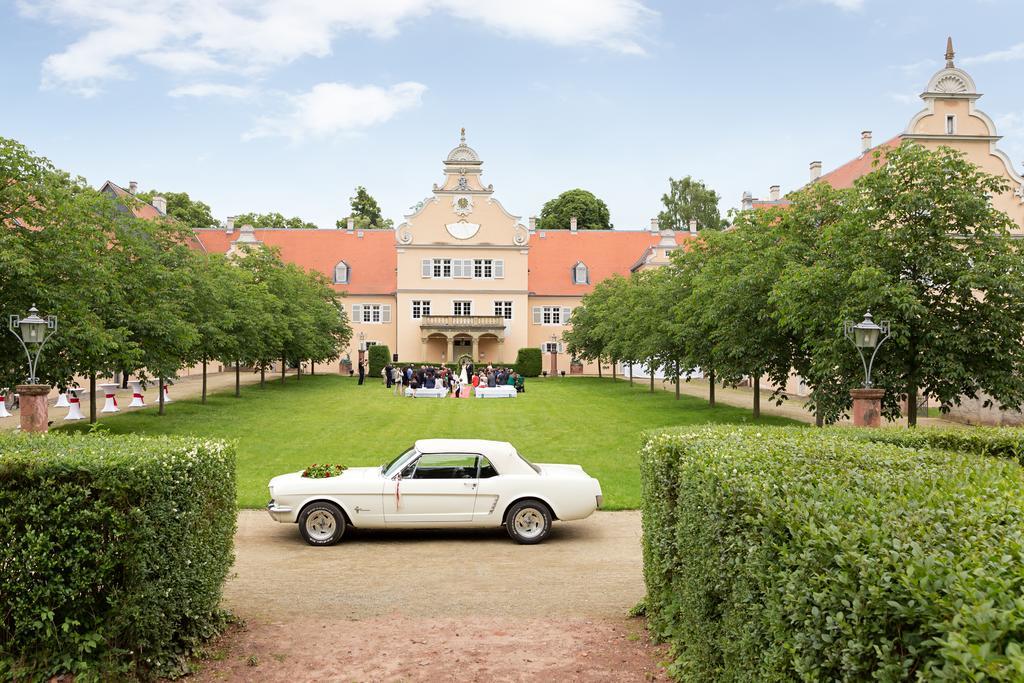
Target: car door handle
[471, 485]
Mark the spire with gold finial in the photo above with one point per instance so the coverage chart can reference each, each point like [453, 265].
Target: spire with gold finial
[949, 52]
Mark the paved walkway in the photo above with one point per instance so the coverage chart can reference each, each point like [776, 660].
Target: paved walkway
[186, 387]
[743, 397]
[466, 605]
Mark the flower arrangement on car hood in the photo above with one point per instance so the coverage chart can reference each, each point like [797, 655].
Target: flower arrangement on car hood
[315, 471]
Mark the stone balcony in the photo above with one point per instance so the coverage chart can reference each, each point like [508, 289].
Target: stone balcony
[462, 323]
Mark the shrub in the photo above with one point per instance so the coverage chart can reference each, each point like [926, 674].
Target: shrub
[1001, 442]
[791, 554]
[528, 361]
[113, 552]
[379, 356]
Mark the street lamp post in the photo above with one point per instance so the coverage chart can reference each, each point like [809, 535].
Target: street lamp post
[32, 332]
[554, 355]
[867, 336]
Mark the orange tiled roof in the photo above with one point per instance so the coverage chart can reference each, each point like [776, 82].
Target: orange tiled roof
[843, 177]
[372, 258]
[605, 253]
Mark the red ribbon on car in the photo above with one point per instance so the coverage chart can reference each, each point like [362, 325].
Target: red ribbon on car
[398, 491]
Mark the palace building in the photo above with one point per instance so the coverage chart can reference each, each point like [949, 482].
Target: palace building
[461, 276]
[950, 118]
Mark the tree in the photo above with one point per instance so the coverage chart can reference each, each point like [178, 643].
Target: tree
[590, 212]
[922, 246]
[273, 220]
[365, 212]
[181, 207]
[689, 199]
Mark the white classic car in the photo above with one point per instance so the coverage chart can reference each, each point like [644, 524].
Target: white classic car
[438, 483]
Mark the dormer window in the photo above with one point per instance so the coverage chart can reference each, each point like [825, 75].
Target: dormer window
[580, 274]
[341, 273]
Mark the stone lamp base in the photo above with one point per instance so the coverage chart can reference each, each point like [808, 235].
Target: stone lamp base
[34, 415]
[867, 407]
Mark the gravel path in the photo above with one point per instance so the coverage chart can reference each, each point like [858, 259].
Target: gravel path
[439, 606]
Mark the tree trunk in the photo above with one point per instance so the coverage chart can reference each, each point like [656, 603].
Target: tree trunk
[298, 371]
[263, 374]
[912, 379]
[283, 366]
[599, 367]
[238, 378]
[92, 398]
[203, 400]
[631, 374]
[312, 367]
[711, 388]
[614, 367]
[124, 379]
[650, 369]
[677, 380]
[160, 388]
[757, 396]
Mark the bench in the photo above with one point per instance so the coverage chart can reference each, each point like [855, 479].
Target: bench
[504, 391]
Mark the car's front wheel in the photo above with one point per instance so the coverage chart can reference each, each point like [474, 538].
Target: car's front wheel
[528, 522]
[322, 523]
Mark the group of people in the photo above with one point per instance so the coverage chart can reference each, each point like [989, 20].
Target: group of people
[456, 384]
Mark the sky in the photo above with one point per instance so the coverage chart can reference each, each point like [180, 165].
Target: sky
[287, 105]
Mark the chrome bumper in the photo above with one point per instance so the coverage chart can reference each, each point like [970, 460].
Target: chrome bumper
[279, 513]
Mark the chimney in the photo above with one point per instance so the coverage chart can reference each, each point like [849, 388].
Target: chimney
[572, 224]
[747, 202]
[533, 223]
[693, 226]
[815, 170]
[654, 224]
[865, 141]
[133, 187]
[160, 203]
[350, 225]
[773, 193]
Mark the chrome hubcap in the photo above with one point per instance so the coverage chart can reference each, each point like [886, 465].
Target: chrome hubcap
[529, 523]
[320, 525]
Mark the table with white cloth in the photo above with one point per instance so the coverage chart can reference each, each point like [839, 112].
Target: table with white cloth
[504, 391]
[436, 392]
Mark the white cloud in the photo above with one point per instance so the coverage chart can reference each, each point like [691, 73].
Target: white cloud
[846, 5]
[1011, 54]
[332, 108]
[186, 36]
[212, 90]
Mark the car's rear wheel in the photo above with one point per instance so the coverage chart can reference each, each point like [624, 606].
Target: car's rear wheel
[528, 522]
[322, 523]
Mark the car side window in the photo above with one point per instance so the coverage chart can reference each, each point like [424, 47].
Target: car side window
[445, 466]
[487, 469]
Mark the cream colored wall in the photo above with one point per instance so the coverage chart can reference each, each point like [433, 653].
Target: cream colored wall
[382, 333]
[541, 334]
[981, 152]
[410, 344]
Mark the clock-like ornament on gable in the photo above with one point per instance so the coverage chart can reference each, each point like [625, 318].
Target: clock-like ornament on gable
[462, 204]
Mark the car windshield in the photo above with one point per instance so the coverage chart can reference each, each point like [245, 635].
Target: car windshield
[398, 462]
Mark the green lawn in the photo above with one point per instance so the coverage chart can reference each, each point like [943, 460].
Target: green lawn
[593, 422]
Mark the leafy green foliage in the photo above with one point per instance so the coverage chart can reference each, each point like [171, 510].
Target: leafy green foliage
[378, 356]
[689, 199]
[590, 212]
[181, 207]
[787, 554]
[365, 212]
[528, 361]
[273, 220]
[999, 442]
[113, 553]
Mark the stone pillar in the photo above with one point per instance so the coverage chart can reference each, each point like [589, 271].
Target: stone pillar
[554, 364]
[451, 349]
[33, 407]
[475, 348]
[867, 407]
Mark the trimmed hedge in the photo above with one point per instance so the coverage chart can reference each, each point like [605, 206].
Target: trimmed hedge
[529, 362]
[113, 552]
[776, 554]
[379, 356]
[1000, 442]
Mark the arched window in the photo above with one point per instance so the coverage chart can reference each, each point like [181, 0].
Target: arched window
[341, 273]
[580, 274]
